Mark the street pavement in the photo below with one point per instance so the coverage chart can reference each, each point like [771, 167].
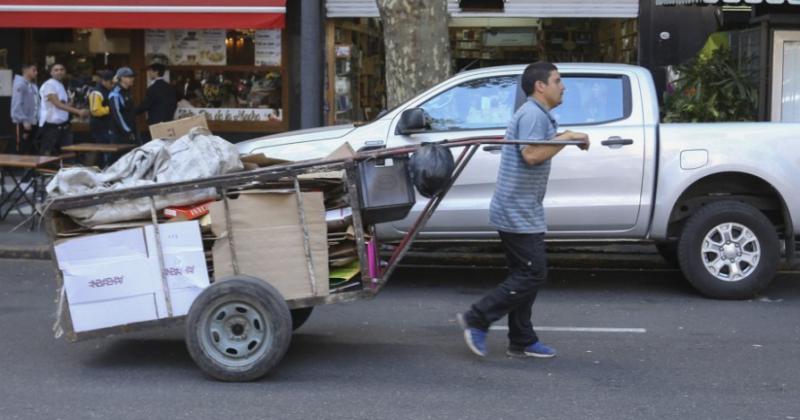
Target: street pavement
[633, 344]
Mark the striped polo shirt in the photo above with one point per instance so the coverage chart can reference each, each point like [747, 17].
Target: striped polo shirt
[517, 201]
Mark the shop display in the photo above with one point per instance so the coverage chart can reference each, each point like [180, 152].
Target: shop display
[230, 96]
[186, 47]
[231, 114]
[556, 40]
[232, 77]
[356, 84]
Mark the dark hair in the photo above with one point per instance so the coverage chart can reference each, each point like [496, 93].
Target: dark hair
[26, 66]
[536, 72]
[107, 75]
[159, 68]
[50, 67]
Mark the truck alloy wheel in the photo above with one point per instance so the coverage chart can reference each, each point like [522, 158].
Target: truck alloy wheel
[729, 250]
[238, 329]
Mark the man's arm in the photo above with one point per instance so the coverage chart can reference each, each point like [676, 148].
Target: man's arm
[17, 115]
[53, 99]
[96, 105]
[115, 103]
[536, 154]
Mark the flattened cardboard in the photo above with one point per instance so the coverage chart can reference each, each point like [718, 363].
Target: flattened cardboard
[261, 160]
[175, 129]
[345, 151]
[269, 240]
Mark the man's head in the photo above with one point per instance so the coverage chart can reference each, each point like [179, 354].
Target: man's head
[156, 70]
[106, 78]
[29, 72]
[542, 81]
[57, 71]
[125, 76]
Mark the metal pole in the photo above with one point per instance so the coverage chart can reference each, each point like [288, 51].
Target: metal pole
[229, 228]
[405, 244]
[306, 242]
[161, 263]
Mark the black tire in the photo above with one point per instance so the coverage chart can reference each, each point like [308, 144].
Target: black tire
[300, 316]
[669, 252]
[692, 259]
[238, 329]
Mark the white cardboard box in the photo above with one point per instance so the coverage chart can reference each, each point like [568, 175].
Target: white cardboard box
[114, 278]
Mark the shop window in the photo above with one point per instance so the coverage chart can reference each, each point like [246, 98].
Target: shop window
[232, 77]
[594, 100]
[477, 104]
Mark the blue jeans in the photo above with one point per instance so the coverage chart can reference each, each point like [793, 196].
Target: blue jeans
[527, 266]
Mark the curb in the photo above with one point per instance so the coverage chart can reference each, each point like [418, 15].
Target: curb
[581, 259]
[574, 259]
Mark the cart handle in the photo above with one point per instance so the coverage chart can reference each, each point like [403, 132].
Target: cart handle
[276, 172]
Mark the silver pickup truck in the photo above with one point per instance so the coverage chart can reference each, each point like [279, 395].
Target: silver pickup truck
[720, 200]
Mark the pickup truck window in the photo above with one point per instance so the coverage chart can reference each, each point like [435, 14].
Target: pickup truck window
[476, 104]
[594, 99]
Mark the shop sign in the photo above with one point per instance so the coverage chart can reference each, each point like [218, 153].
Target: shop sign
[186, 47]
[6, 82]
[268, 47]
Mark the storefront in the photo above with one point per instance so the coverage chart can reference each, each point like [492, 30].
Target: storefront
[228, 62]
[482, 34]
[765, 36]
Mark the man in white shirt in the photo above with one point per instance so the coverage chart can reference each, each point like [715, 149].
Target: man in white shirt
[54, 113]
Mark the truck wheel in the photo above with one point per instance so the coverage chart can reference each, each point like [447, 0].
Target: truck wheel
[669, 252]
[729, 250]
[300, 316]
[238, 329]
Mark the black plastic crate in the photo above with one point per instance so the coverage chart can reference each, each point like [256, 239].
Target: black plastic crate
[387, 192]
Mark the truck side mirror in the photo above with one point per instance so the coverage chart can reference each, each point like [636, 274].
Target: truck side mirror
[413, 121]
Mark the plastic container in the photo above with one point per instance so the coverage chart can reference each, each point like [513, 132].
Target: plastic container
[386, 190]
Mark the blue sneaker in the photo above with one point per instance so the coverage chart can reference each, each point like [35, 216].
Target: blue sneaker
[536, 349]
[475, 338]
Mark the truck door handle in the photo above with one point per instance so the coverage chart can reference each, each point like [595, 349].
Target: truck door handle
[616, 142]
[493, 149]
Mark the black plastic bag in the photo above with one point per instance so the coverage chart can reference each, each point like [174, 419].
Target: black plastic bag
[431, 167]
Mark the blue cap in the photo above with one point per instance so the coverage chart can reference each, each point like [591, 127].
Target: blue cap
[124, 72]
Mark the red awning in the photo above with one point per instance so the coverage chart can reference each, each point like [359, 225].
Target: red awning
[143, 14]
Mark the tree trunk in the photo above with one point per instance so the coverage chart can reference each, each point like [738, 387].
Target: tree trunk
[417, 45]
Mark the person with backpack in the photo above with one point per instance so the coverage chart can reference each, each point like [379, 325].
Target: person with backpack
[101, 126]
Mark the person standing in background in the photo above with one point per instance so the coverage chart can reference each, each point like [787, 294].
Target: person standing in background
[55, 130]
[25, 108]
[101, 126]
[160, 101]
[123, 110]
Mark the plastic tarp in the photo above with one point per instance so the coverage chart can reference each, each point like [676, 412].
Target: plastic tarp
[193, 156]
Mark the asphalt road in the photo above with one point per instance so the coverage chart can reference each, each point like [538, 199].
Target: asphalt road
[655, 350]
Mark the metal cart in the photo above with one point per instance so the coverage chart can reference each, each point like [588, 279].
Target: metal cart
[240, 328]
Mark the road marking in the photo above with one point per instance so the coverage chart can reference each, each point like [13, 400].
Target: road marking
[579, 329]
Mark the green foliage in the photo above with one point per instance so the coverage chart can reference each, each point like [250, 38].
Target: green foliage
[714, 89]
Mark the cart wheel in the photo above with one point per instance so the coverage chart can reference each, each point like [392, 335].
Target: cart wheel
[238, 329]
[300, 316]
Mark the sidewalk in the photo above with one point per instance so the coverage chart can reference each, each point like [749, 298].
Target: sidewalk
[22, 243]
